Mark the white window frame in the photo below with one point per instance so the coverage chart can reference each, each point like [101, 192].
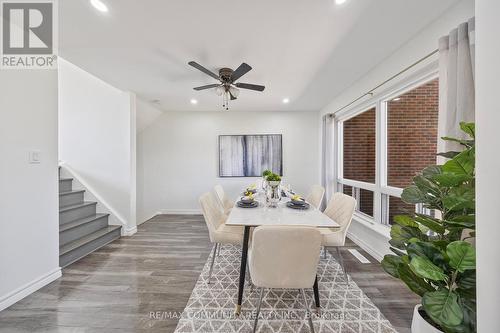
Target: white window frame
[381, 190]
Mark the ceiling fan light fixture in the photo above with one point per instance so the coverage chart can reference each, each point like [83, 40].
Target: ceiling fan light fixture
[234, 91]
[219, 90]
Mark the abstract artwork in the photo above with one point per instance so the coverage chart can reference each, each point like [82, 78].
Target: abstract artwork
[250, 155]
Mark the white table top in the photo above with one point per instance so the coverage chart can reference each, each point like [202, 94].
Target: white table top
[280, 215]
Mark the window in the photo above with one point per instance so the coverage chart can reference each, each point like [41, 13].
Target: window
[383, 146]
[412, 120]
[359, 147]
[359, 159]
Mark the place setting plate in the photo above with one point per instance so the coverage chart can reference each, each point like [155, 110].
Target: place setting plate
[298, 204]
[247, 203]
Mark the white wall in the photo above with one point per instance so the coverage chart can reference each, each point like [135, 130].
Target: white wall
[29, 219]
[488, 164]
[375, 239]
[147, 113]
[97, 125]
[177, 156]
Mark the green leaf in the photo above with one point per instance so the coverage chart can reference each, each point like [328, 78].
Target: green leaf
[427, 186]
[390, 264]
[416, 284]
[466, 143]
[430, 223]
[462, 256]
[397, 252]
[429, 250]
[460, 198]
[462, 164]
[449, 154]
[431, 170]
[405, 220]
[467, 280]
[443, 308]
[468, 128]
[413, 195]
[423, 267]
[451, 179]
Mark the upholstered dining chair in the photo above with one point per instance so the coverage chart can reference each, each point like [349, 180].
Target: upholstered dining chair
[218, 232]
[340, 208]
[316, 195]
[224, 202]
[284, 257]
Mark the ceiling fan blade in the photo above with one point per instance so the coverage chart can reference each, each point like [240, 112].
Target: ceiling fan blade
[203, 69]
[208, 86]
[250, 86]
[240, 71]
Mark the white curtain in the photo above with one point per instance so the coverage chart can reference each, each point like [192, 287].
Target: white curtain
[328, 158]
[456, 83]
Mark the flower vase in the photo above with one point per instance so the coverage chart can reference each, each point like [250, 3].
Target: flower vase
[273, 192]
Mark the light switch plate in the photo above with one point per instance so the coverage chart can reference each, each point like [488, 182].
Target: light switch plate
[34, 157]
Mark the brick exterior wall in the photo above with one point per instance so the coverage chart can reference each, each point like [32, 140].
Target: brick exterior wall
[412, 124]
[412, 133]
[411, 143]
[359, 154]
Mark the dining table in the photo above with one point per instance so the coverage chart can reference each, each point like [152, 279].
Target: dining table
[265, 215]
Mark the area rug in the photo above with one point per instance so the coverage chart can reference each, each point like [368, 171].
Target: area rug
[344, 307]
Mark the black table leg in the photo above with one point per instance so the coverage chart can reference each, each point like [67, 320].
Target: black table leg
[316, 293]
[243, 267]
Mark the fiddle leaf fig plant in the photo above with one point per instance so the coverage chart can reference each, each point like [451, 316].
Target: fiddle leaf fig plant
[433, 255]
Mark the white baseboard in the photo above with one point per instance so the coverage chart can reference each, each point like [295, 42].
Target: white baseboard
[365, 246]
[29, 288]
[180, 211]
[128, 231]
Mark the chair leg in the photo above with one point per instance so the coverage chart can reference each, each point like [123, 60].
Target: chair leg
[216, 245]
[258, 310]
[249, 277]
[308, 312]
[324, 252]
[341, 259]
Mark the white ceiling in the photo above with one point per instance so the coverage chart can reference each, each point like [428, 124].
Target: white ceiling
[305, 50]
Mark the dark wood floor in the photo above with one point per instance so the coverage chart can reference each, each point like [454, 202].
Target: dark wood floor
[142, 283]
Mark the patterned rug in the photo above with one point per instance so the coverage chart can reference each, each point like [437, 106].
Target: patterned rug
[344, 307]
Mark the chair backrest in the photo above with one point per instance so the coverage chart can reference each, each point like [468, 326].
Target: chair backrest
[340, 209]
[223, 201]
[316, 195]
[211, 212]
[284, 256]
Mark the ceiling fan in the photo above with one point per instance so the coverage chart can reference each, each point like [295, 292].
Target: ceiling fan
[227, 86]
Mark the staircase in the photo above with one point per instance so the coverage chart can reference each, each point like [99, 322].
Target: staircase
[81, 229]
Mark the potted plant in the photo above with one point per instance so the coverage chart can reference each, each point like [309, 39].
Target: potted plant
[273, 191]
[434, 256]
[264, 176]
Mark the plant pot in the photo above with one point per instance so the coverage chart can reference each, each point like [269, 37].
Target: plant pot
[420, 325]
[274, 183]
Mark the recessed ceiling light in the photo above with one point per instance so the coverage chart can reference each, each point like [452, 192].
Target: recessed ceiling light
[194, 101]
[99, 5]
[340, 2]
[286, 100]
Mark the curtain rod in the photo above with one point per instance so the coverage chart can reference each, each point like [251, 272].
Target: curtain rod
[370, 92]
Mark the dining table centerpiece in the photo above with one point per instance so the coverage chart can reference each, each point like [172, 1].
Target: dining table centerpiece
[273, 192]
[264, 180]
